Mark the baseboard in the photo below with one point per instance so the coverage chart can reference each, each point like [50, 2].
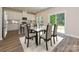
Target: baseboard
[12, 30]
[72, 35]
[0, 38]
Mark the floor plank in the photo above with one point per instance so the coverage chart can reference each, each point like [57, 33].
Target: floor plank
[68, 44]
[11, 43]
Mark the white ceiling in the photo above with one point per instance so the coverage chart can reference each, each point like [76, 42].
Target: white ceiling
[30, 9]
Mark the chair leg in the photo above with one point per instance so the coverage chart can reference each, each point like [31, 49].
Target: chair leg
[28, 43]
[39, 40]
[25, 40]
[54, 40]
[46, 46]
[51, 42]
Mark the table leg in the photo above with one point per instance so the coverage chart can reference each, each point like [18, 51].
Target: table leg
[36, 38]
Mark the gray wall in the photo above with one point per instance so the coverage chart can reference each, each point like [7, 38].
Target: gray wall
[71, 18]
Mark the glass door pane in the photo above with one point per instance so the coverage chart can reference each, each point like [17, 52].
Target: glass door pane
[53, 19]
[61, 22]
[60, 19]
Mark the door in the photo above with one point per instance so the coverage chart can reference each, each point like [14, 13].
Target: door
[58, 19]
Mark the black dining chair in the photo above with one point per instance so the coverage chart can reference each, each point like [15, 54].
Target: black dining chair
[46, 36]
[22, 28]
[54, 35]
[28, 35]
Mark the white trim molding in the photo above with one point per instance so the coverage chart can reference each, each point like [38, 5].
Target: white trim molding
[72, 35]
[0, 38]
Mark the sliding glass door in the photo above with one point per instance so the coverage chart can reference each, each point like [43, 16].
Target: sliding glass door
[58, 19]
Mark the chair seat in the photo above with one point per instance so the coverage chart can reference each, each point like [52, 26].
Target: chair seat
[23, 25]
[32, 35]
[53, 35]
[43, 36]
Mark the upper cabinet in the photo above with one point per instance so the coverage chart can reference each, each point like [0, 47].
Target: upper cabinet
[29, 16]
[14, 15]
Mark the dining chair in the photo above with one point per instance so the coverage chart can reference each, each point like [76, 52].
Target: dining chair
[46, 36]
[22, 28]
[54, 35]
[28, 35]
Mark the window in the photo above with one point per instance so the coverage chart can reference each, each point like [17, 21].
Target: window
[57, 19]
[39, 20]
[60, 19]
[53, 19]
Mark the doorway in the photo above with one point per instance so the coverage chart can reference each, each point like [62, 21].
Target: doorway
[59, 19]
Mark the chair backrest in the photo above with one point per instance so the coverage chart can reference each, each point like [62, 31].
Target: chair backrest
[48, 31]
[26, 31]
[55, 30]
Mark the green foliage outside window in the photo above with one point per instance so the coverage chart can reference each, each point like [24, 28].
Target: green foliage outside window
[53, 19]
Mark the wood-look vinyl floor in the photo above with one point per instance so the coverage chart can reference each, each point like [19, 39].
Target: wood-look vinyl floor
[11, 43]
[68, 44]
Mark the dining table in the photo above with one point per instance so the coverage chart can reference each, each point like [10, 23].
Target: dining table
[37, 30]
